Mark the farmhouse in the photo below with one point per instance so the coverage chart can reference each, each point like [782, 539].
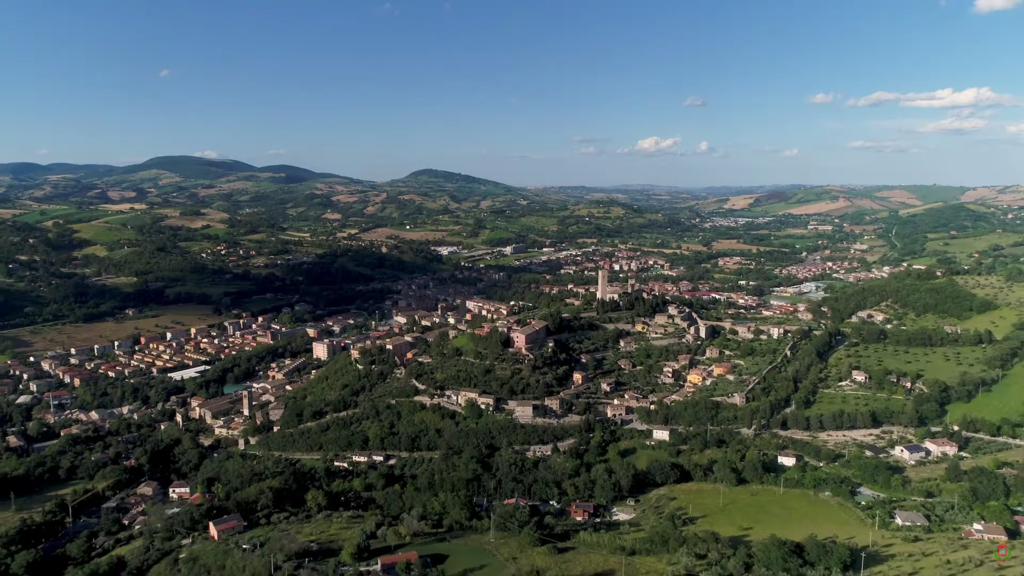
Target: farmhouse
[789, 459]
[904, 518]
[984, 531]
[226, 526]
[179, 491]
[661, 433]
[581, 511]
[941, 447]
[859, 376]
[390, 564]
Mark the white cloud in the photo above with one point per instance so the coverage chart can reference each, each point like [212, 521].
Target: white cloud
[42, 152]
[164, 73]
[945, 98]
[1015, 128]
[955, 125]
[277, 152]
[989, 6]
[791, 152]
[590, 150]
[889, 146]
[654, 146]
[207, 154]
[694, 102]
[822, 98]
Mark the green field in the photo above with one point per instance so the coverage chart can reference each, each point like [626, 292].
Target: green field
[1005, 400]
[33, 504]
[468, 555]
[920, 472]
[94, 250]
[941, 363]
[759, 511]
[104, 233]
[968, 246]
[1009, 296]
[40, 216]
[833, 401]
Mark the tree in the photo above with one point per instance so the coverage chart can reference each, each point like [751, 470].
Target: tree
[954, 473]
[316, 500]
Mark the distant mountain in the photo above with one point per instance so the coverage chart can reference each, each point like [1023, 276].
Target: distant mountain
[32, 171]
[452, 181]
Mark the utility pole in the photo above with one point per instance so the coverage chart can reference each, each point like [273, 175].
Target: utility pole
[71, 515]
[876, 519]
[271, 563]
[863, 555]
[623, 566]
[12, 501]
[709, 433]
[492, 525]
[956, 501]
[721, 495]
[871, 540]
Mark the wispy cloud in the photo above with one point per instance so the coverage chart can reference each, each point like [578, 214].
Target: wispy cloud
[277, 152]
[787, 152]
[694, 102]
[390, 8]
[1015, 128]
[207, 154]
[42, 152]
[164, 73]
[945, 98]
[888, 146]
[823, 98]
[586, 140]
[955, 125]
[589, 150]
[989, 6]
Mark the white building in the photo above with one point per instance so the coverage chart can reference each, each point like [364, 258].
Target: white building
[911, 452]
[941, 447]
[188, 373]
[661, 433]
[859, 376]
[789, 459]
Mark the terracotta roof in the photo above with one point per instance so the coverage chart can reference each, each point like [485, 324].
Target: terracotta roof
[396, 559]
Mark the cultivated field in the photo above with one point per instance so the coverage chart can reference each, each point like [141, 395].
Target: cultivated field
[5, 214]
[737, 245]
[1009, 296]
[967, 246]
[831, 401]
[942, 363]
[41, 338]
[385, 233]
[741, 202]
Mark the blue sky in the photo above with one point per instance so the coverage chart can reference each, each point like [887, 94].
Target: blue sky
[528, 92]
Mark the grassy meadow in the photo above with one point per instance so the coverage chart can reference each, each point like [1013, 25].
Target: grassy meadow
[1005, 400]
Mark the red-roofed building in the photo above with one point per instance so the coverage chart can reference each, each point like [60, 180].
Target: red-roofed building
[516, 501]
[226, 526]
[581, 511]
[390, 564]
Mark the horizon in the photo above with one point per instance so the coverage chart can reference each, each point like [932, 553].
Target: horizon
[528, 186]
[600, 95]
